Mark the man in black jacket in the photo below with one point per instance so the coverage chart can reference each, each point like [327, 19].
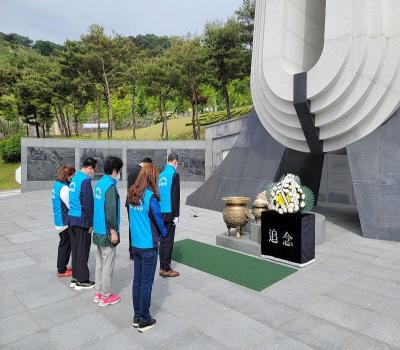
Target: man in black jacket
[132, 176]
[169, 187]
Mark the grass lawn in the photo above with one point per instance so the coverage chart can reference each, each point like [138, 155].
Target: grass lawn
[177, 130]
[7, 176]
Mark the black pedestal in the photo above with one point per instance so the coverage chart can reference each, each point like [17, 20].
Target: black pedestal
[288, 238]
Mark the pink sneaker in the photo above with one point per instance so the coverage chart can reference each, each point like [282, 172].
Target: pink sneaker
[97, 297]
[112, 299]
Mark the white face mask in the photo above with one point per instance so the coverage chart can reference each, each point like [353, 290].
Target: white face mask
[117, 177]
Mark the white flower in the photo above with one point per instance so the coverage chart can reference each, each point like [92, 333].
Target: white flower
[280, 211]
[302, 204]
[300, 190]
[285, 190]
[296, 208]
[285, 210]
[290, 210]
[303, 196]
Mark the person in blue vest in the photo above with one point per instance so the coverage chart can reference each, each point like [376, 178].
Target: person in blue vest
[106, 223]
[169, 186]
[60, 202]
[146, 230]
[81, 223]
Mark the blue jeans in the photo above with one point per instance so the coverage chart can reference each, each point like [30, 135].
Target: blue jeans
[145, 264]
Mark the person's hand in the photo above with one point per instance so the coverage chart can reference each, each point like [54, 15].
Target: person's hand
[176, 220]
[114, 236]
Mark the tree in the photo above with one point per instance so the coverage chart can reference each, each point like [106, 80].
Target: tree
[131, 77]
[227, 57]
[34, 92]
[73, 87]
[14, 38]
[8, 115]
[190, 56]
[161, 78]
[104, 58]
[152, 44]
[46, 48]
[245, 16]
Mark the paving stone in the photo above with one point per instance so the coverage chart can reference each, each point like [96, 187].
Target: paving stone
[384, 329]
[81, 331]
[353, 281]
[391, 307]
[10, 305]
[357, 296]
[16, 327]
[45, 295]
[360, 341]
[38, 341]
[279, 341]
[270, 312]
[16, 263]
[18, 238]
[194, 340]
[168, 327]
[57, 313]
[338, 312]
[115, 341]
[233, 329]
[317, 332]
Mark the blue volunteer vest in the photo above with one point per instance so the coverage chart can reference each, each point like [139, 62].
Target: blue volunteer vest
[141, 233]
[164, 185]
[100, 190]
[59, 218]
[75, 208]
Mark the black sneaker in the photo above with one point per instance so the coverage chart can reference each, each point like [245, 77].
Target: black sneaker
[84, 285]
[72, 284]
[143, 327]
[135, 323]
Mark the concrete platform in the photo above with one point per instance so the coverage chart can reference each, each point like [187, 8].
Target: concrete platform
[348, 299]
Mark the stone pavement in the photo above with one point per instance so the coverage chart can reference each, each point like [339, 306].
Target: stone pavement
[348, 299]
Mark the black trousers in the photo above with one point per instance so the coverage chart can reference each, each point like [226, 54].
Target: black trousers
[130, 239]
[64, 250]
[80, 243]
[166, 246]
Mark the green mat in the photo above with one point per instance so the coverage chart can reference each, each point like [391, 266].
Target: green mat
[242, 269]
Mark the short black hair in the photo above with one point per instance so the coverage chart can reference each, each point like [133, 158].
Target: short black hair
[89, 162]
[172, 156]
[147, 160]
[112, 163]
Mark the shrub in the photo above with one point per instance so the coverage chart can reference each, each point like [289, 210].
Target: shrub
[10, 149]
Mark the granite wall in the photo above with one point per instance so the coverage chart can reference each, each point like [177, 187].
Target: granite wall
[375, 170]
[41, 157]
[336, 184]
[220, 138]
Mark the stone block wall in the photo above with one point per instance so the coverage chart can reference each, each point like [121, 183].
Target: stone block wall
[41, 157]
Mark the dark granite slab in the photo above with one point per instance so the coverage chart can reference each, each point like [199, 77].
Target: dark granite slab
[100, 154]
[42, 162]
[191, 164]
[134, 156]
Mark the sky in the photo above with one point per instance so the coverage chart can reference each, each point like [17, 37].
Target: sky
[58, 20]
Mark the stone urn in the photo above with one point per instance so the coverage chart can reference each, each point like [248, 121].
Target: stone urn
[257, 209]
[260, 204]
[236, 213]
